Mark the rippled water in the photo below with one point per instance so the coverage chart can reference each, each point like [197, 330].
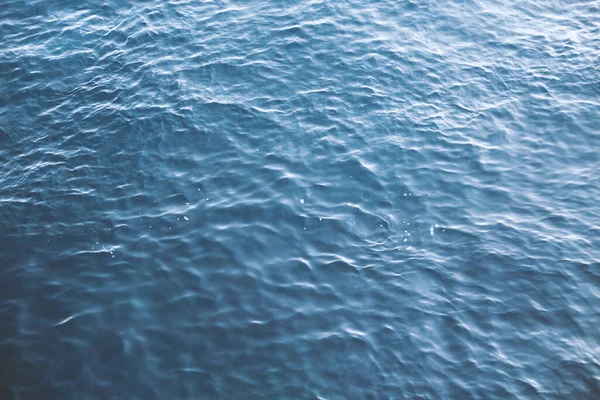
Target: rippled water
[301, 199]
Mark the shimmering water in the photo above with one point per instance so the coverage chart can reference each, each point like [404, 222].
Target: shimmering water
[299, 199]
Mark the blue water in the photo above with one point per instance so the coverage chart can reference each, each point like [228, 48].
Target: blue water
[301, 199]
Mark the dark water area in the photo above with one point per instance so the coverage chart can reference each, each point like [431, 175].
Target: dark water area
[300, 199]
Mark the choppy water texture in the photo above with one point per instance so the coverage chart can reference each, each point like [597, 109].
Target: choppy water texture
[301, 199]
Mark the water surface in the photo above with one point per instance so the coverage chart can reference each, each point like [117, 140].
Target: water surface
[299, 199]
